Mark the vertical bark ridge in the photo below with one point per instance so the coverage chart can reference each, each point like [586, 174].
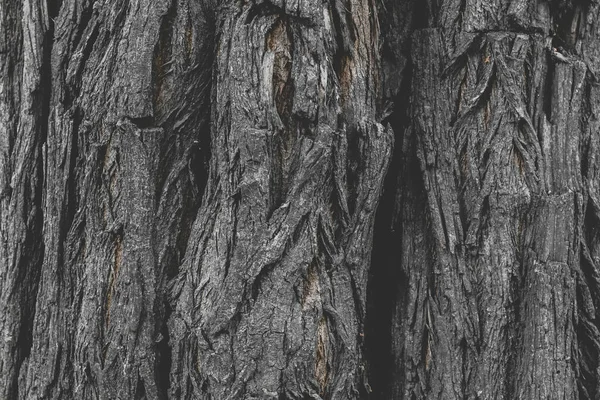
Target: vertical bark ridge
[24, 104]
[127, 148]
[274, 307]
[502, 170]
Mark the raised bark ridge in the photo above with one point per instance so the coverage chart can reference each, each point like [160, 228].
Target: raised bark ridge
[501, 125]
[271, 295]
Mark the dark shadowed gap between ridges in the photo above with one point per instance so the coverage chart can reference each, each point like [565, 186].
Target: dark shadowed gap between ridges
[385, 276]
[386, 281]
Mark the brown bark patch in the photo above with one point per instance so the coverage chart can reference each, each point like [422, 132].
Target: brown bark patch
[189, 39]
[118, 259]
[486, 115]
[518, 160]
[345, 76]
[279, 42]
[322, 364]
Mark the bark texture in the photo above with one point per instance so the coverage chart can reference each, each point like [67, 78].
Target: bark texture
[342, 199]
[498, 277]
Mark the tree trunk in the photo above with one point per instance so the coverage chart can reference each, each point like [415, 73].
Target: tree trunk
[499, 282]
[346, 199]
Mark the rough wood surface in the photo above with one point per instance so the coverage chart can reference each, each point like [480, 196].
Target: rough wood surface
[341, 199]
[499, 282]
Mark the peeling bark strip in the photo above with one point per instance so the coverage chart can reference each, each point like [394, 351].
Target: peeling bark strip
[189, 199]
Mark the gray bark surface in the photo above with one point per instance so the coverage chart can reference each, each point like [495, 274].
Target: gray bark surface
[343, 199]
[504, 214]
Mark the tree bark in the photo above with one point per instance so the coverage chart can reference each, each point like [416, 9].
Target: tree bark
[346, 199]
[498, 277]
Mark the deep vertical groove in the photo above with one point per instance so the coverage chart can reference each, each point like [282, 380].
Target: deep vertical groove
[381, 293]
[385, 278]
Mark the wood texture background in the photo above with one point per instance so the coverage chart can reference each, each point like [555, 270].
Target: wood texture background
[336, 199]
